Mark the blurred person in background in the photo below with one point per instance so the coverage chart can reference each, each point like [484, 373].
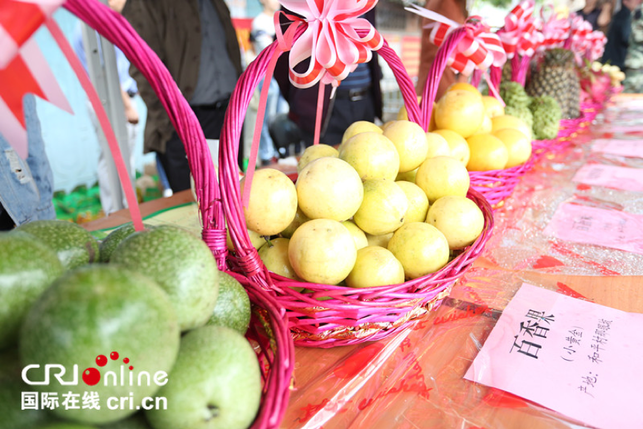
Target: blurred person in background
[634, 60]
[455, 10]
[129, 90]
[598, 13]
[358, 98]
[197, 43]
[26, 186]
[618, 34]
[262, 35]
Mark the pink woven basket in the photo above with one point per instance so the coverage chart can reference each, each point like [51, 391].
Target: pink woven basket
[568, 130]
[274, 346]
[328, 315]
[590, 110]
[269, 332]
[494, 185]
[542, 147]
[498, 185]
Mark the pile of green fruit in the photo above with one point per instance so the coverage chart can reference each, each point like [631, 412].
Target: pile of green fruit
[145, 321]
[541, 113]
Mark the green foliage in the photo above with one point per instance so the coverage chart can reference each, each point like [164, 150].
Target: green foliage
[503, 4]
[497, 3]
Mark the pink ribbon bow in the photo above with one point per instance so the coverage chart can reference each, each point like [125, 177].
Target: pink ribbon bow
[335, 39]
[330, 39]
[520, 34]
[578, 38]
[479, 49]
[19, 20]
[23, 68]
[596, 41]
[554, 30]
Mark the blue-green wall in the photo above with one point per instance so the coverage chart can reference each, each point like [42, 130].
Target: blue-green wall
[70, 140]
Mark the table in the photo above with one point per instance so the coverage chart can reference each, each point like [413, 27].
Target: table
[123, 216]
[440, 350]
[414, 379]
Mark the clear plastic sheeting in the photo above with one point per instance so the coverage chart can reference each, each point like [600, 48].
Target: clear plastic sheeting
[415, 379]
[519, 241]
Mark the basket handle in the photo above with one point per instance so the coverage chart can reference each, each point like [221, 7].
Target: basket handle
[435, 74]
[118, 31]
[495, 76]
[247, 258]
[476, 77]
[519, 68]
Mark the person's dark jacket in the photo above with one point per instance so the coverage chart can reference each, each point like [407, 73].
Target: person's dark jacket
[618, 38]
[303, 102]
[172, 29]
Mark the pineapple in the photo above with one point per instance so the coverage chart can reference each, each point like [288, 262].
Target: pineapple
[557, 77]
[506, 72]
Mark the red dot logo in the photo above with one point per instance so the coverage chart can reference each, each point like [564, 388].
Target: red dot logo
[101, 360]
[91, 376]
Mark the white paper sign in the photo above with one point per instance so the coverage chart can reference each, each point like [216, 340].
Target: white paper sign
[611, 176]
[578, 358]
[628, 148]
[601, 227]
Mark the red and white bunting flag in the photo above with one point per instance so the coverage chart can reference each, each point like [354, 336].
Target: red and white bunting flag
[23, 68]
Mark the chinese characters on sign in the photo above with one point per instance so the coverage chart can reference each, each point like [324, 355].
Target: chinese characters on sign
[574, 341]
[588, 382]
[610, 176]
[628, 148]
[534, 330]
[572, 356]
[601, 227]
[597, 345]
[599, 340]
[583, 223]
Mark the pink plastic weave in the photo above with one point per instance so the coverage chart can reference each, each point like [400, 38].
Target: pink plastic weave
[330, 316]
[117, 30]
[590, 110]
[326, 315]
[276, 351]
[498, 185]
[569, 128]
[279, 352]
[541, 148]
[519, 68]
